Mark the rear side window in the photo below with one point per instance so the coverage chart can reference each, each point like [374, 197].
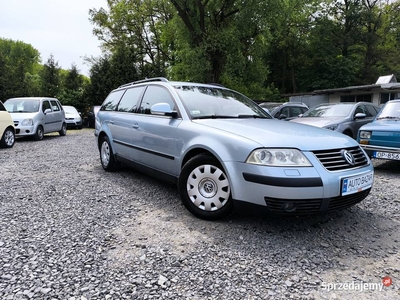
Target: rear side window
[112, 100]
[130, 99]
[54, 105]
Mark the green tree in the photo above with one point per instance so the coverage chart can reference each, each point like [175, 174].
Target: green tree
[50, 78]
[17, 60]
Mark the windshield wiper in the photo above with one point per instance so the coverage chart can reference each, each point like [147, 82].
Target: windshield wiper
[388, 117]
[213, 117]
[251, 116]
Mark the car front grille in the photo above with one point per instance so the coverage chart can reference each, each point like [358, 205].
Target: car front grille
[315, 206]
[16, 123]
[333, 160]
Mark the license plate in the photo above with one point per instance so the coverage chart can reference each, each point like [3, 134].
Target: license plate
[387, 155]
[357, 184]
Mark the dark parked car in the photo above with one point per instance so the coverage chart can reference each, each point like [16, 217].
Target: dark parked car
[346, 117]
[225, 153]
[285, 111]
[381, 138]
[91, 116]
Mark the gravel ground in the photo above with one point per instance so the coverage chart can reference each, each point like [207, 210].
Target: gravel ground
[69, 230]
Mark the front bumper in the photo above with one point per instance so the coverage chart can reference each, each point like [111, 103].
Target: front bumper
[370, 149]
[24, 131]
[294, 191]
[73, 123]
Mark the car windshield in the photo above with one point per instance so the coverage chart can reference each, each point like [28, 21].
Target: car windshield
[270, 106]
[390, 111]
[204, 102]
[69, 110]
[327, 110]
[22, 105]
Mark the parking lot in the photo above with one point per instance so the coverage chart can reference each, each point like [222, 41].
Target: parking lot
[70, 230]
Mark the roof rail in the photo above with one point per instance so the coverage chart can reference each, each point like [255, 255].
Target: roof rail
[145, 80]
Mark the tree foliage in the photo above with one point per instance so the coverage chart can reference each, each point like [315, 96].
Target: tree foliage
[263, 48]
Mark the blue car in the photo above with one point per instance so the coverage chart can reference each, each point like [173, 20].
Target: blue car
[225, 153]
[381, 138]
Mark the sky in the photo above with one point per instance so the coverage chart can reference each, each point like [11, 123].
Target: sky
[58, 27]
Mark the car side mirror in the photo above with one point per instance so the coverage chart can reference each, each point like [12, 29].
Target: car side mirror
[163, 109]
[47, 110]
[282, 116]
[360, 116]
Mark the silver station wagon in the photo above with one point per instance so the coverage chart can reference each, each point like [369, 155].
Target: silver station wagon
[225, 153]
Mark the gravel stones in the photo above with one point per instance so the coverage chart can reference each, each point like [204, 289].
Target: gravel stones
[69, 230]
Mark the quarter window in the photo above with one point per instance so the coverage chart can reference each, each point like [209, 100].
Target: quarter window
[112, 100]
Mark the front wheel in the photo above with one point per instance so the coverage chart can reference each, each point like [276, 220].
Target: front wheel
[8, 139]
[39, 134]
[205, 189]
[106, 155]
[63, 130]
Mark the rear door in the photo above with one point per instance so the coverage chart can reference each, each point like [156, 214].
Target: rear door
[122, 122]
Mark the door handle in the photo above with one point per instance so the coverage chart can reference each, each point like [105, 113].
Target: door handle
[111, 122]
[136, 125]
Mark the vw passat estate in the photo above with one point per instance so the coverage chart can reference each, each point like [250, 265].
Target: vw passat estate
[225, 153]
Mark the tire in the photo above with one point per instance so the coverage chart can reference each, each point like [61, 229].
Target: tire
[39, 134]
[106, 155]
[205, 189]
[8, 138]
[63, 130]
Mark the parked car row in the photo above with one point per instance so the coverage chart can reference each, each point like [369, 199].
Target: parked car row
[34, 117]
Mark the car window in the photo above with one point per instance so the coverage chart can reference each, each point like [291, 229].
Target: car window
[295, 111]
[2, 108]
[373, 111]
[46, 105]
[154, 95]
[130, 99]
[54, 105]
[285, 111]
[112, 100]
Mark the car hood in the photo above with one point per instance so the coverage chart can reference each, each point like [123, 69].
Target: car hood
[383, 125]
[16, 116]
[76, 116]
[317, 121]
[276, 133]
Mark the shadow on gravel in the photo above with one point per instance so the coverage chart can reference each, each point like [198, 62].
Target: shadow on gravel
[355, 244]
[387, 166]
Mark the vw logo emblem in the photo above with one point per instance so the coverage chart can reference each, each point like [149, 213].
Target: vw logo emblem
[348, 157]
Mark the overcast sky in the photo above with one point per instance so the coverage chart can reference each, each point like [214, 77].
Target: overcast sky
[58, 27]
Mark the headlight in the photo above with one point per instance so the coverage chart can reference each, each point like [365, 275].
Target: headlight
[27, 122]
[332, 127]
[278, 158]
[365, 135]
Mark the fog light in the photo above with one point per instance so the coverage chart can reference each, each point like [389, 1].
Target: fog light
[289, 206]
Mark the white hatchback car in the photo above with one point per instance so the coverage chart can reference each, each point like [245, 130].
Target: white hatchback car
[7, 131]
[35, 116]
[72, 117]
